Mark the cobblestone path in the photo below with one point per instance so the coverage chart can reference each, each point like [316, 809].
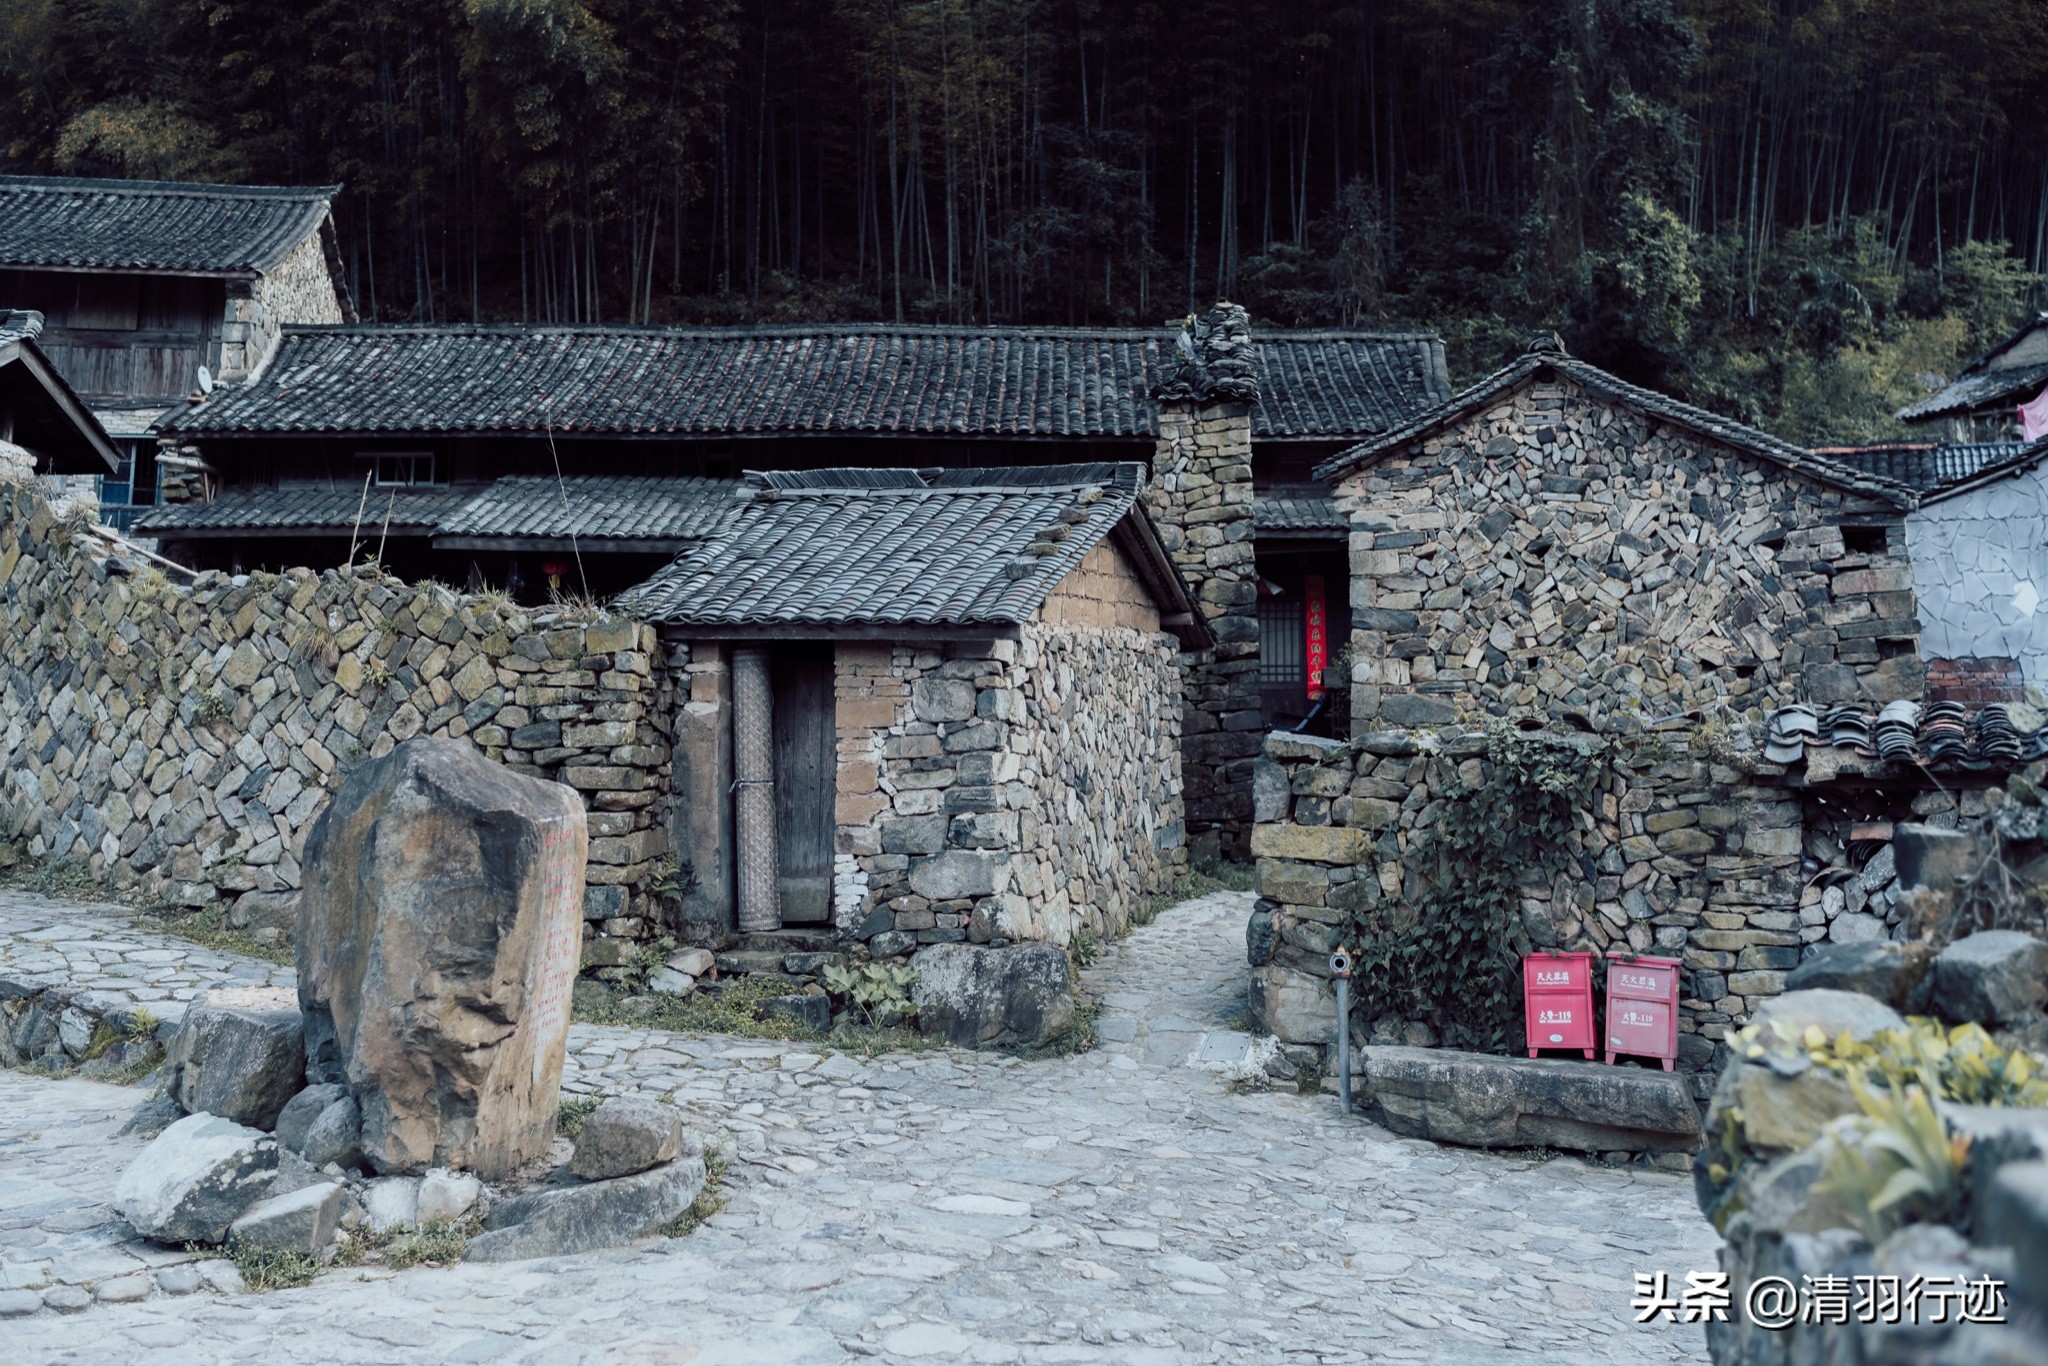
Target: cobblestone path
[1123, 1206]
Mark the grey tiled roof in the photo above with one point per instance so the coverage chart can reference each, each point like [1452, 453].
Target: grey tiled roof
[1979, 383]
[1926, 466]
[1299, 510]
[309, 507]
[1649, 402]
[2019, 384]
[20, 324]
[150, 225]
[916, 553]
[845, 378]
[593, 508]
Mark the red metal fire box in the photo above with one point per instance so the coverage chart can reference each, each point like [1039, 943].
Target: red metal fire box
[1558, 991]
[1642, 1008]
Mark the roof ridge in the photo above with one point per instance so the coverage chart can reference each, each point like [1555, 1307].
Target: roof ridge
[851, 328]
[192, 188]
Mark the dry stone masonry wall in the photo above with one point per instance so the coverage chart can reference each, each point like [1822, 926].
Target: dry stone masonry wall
[299, 290]
[1559, 553]
[987, 793]
[178, 739]
[1688, 856]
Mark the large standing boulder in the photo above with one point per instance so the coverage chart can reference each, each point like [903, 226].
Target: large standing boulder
[1012, 997]
[439, 935]
[1992, 977]
[587, 1215]
[240, 1054]
[196, 1178]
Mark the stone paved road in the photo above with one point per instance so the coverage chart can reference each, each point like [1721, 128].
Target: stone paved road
[1123, 1206]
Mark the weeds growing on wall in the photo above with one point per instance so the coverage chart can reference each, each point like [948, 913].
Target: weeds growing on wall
[1444, 953]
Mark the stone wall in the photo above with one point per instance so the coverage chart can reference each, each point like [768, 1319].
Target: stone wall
[1008, 789]
[178, 736]
[1557, 553]
[1693, 853]
[1980, 565]
[300, 290]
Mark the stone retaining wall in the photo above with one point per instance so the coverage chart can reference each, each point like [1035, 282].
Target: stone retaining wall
[178, 736]
[1689, 856]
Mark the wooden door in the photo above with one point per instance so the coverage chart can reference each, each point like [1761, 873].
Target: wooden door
[805, 786]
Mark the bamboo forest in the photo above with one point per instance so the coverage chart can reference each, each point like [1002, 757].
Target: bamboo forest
[1797, 212]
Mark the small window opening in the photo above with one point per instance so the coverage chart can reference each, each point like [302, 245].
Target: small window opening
[1863, 540]
[404, 471]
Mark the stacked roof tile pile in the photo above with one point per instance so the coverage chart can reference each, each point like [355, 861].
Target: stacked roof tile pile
[1938, 735]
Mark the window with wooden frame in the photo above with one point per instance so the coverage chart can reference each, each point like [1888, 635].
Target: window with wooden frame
[403, 469]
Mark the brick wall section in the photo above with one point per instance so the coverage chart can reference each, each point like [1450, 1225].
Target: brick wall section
[1690, 856]
[1103, 591]
[1200, 496]
[1009, 789]
[1557, 552]
[180, 740]
[1975, 682]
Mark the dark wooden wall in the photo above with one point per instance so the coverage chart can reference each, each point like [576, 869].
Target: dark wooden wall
[123, 336]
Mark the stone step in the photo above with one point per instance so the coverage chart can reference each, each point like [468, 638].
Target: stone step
[745, 962]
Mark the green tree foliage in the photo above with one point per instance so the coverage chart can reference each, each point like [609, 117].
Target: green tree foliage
[1797, 210]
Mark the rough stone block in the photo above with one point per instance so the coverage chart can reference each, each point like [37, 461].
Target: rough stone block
[625, 1135]
[1926, 856]
[1016, 996]
[240, 1054]
[1309, 843]
[300, 1221]
[586, 1216]
[1885, 971]
[195, 1178]
[1992, 977]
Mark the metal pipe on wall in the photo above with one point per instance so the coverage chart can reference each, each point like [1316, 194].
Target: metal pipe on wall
[753, 762]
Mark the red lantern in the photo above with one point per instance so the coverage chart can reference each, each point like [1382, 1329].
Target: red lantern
[554, 569]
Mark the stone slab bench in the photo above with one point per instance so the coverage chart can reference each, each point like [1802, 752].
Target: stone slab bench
[1483, 1101]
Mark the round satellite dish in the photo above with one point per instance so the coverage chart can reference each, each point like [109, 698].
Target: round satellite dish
[205, 380]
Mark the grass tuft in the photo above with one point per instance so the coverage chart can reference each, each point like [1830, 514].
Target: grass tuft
[265, 1269]
[571, 1114]
[433, 1245]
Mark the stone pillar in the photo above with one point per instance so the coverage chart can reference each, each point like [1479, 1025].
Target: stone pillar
[753, 752]
[1200, 495]
[700, 819]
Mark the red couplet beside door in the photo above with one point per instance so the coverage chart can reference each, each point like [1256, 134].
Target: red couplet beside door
[1642, 1008]
[1557, 991]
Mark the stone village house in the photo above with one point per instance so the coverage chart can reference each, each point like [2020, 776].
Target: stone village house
[1559, 545]
[142, 285]
[947, 703]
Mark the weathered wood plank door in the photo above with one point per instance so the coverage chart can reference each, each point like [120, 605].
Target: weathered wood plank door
[805, 782]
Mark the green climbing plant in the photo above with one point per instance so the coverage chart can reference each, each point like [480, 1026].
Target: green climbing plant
[1445, 952]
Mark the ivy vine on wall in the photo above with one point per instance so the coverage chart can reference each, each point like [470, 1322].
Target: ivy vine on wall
[1444, 952]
